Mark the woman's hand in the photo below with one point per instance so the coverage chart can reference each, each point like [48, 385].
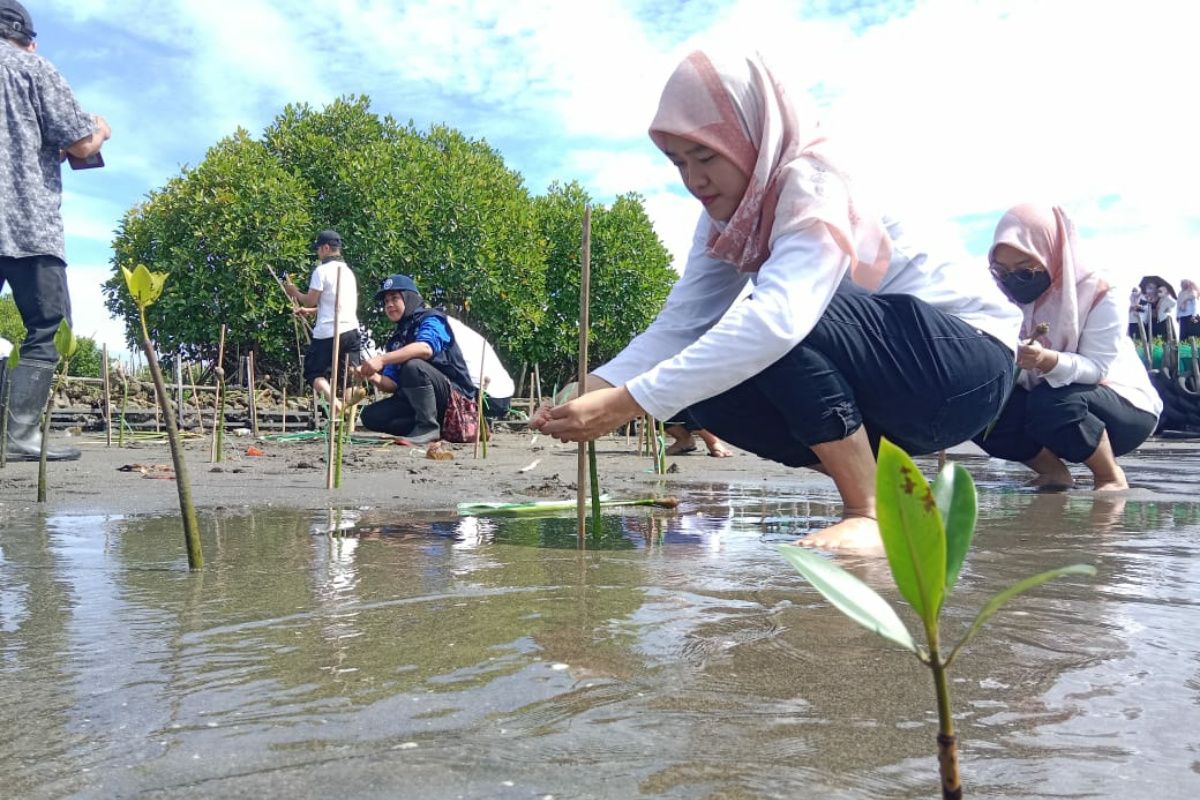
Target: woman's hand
[588, 417]
[370, 366]
[1034, 356]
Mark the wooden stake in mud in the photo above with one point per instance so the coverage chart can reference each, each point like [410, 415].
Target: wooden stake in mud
[251, 392]
[179, 407]
[587, 451]
[196, 399]
[107, 398]
[479, 418]
[219, 402]
[330, 472]
[283, 419]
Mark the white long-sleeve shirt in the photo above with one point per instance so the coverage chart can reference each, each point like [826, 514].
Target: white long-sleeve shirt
[1106, 354]
[704, 342]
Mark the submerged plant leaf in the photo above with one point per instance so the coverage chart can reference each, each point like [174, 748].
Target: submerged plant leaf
[145, 286]
[994, 605]
[849, 595]
[64, 340]
[911, 527]
[954, 492]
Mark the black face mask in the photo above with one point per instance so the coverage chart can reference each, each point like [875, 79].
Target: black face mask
[1025, 286]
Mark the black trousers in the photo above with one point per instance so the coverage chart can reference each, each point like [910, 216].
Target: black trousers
[395, 414]
[39, 287]
[1067, 421]
[922, 378]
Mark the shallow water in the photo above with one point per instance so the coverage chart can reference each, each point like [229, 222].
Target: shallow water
[677, 657]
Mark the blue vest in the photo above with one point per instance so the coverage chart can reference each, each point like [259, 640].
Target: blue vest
[449, 361]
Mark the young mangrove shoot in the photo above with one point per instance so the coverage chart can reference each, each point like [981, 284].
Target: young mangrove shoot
[145, 287]
[926, 532]
[64, 342]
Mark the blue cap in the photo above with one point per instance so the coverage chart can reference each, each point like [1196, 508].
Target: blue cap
[396, 283]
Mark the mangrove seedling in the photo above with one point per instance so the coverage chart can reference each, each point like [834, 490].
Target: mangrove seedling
[146, 287]
[64, 342]
[926, 532]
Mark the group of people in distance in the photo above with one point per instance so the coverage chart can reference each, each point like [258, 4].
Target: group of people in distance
[427, 358]
[1156, 311]
[852, 330]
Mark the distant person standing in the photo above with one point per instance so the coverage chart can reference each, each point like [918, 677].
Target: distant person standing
[332, 279]
[41, 123]
[1189, 322]
[481, 356]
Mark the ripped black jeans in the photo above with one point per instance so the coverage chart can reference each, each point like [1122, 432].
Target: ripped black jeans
[920, 377]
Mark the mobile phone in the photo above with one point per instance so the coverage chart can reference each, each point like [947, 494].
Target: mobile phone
[94, 161]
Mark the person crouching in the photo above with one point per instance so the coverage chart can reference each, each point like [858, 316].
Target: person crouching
[421, 366]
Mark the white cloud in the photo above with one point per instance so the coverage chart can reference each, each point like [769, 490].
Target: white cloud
[952, 110]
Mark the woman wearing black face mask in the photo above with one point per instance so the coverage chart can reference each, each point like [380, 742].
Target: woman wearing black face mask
[1082, 393]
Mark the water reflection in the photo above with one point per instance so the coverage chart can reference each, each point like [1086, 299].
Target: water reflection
[362, 652]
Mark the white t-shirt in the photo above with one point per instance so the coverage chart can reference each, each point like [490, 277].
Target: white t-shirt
[324, 280]
[476, 351]
[704, 343]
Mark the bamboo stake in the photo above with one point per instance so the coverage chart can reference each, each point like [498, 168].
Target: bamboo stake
[107, 400]
[251, 387]
[179, 390]
[333, 382]
[653, 443]
[283, 419]
[479, 411]
[124, 405]
[196, 399]
[587, 450]
[219, 403]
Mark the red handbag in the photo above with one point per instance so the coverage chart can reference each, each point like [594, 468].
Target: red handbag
[461, 422]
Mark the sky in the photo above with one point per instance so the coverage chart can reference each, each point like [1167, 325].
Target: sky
[954, 110]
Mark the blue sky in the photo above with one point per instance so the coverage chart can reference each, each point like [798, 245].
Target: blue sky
[954, 110]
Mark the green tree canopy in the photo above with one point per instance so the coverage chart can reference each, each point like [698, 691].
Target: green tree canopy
[435, 205]
[630, 277]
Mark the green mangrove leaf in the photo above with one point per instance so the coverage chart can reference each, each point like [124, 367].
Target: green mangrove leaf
[849, 595]
[993, 605]
[954, 492]
[14, 357]
[912, 532]
[64, 340]
[145, 286]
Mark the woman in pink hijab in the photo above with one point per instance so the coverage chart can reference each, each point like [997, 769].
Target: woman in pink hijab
[1083, 394]
[851, 331]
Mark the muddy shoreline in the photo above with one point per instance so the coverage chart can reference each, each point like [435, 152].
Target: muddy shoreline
[376, 474]
[381, 474]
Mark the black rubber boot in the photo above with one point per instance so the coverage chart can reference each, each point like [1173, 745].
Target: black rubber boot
[27, 395]
[426, 427]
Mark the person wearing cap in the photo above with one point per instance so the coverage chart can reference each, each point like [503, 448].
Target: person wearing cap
[332, 280]
[41, 124]
[420, 366]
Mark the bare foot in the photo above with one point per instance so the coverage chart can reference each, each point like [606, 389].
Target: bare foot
[1112, 482]
[681, 446]
[854, 534]
[717, 451]
[1058, 482]
[1052, 474]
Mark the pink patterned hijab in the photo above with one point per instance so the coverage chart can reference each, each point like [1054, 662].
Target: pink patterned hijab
[739, 110]
[1046, 233]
